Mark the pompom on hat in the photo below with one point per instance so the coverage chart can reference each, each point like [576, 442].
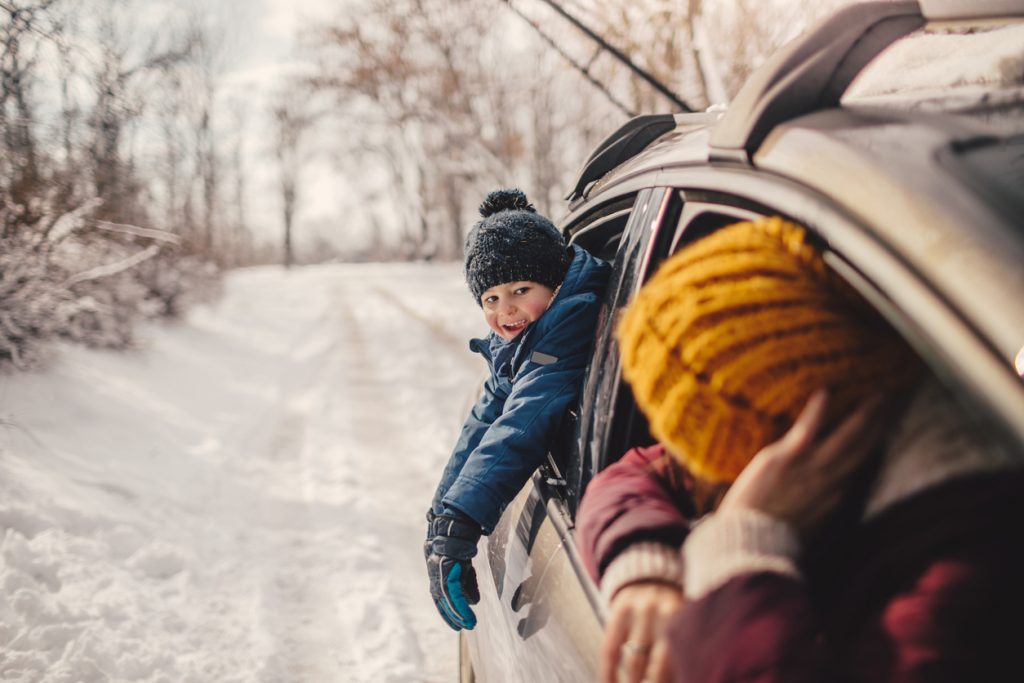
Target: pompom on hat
[512, 242]
[730, 338]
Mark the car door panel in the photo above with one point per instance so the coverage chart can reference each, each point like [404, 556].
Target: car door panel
[530, 624]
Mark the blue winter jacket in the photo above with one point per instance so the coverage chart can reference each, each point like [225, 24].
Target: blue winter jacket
[534, 379]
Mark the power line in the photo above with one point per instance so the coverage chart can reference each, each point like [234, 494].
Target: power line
[584, 69]
[615, 52]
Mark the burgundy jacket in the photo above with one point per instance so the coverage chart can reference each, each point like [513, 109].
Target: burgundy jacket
[635, 499]
[930, 590]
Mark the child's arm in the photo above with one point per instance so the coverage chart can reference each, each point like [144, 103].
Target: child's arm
[487, 408]
[545, 386]
[451, 537]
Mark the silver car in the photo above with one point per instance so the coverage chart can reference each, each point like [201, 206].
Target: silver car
[895, 132]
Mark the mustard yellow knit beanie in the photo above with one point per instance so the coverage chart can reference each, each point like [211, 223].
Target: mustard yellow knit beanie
[726, 343]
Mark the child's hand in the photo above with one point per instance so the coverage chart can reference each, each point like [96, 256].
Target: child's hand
[449, 553]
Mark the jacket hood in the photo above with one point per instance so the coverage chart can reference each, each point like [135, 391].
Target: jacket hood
[586, 273]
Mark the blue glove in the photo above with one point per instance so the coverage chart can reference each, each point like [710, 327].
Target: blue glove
[449, 549]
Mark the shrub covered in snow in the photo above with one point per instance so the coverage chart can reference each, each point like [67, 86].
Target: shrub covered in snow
[70, 276]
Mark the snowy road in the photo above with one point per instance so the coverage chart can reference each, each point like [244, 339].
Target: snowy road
[241, 499]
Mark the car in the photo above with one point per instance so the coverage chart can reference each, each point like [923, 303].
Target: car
[894, 132]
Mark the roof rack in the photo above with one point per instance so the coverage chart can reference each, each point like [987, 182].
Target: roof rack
[938, 10]
[629, 140]
[810, 73]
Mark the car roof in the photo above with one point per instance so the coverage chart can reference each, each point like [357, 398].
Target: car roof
[903, 178]
[914, 166]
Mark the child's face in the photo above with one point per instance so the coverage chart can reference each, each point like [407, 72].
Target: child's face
[510, 307]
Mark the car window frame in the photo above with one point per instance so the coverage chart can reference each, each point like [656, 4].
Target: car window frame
[602, 386]
[957, 352]
[554, 483]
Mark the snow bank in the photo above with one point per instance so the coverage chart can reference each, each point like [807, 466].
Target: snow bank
[241, 499]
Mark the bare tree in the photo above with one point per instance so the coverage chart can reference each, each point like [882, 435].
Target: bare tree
[236, 248]
[82, 254]
[121, 81]
[206, 64]
[24, 27]
[438, 95]
[292, 122]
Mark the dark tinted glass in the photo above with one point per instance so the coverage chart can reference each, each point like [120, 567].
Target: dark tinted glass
[994, 169]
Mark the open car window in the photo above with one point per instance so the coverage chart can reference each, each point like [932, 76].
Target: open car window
[601, 231]
[623, 238]
[703, 213]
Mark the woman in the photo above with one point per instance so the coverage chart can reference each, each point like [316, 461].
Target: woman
[839, 546]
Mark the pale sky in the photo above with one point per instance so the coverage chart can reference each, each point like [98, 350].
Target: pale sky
[261, 54]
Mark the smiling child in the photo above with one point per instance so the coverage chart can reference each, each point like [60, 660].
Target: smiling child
[540, 299]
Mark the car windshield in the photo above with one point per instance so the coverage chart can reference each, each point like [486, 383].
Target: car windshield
[950, 68]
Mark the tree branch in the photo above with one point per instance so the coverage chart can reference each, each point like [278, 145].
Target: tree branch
[113, 268]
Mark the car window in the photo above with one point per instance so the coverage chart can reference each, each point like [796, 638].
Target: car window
[703, 213]
[716, 211]
[600, 231]
[700, 217]
[601, 392]
[682, 218]
[993, 168]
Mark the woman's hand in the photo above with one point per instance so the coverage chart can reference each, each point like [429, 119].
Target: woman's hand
[634, 647]
[802, 478]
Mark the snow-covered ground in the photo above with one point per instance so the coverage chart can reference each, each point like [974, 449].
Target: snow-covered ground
[242, 498]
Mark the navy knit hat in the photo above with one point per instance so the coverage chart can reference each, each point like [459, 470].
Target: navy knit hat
[511, 243]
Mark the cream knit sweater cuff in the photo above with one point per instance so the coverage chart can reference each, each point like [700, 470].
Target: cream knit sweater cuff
[646, 561]
[725, 545]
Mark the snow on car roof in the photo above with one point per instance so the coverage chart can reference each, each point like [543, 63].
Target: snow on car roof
[942, 61]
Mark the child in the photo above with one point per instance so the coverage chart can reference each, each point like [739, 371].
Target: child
[541, 299]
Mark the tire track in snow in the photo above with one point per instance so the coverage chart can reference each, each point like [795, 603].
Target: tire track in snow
[300, 608]
[373, 445]
[409, 420]
[455, 342]
[379, 424]
[382, 644]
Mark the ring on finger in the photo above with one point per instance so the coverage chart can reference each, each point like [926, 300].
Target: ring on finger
[635, 648]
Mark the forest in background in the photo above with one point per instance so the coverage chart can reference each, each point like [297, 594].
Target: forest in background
[127, 166]
[440, 101]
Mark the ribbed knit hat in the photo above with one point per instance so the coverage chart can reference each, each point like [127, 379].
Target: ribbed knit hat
[734, 333]
[513, 242]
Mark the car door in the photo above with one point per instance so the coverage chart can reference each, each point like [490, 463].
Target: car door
[540, 614]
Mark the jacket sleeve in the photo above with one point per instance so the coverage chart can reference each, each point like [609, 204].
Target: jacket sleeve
[484, 412]
[631, 501]
[748, 618]
[923, 593]
[756, 628]
[517, 441]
